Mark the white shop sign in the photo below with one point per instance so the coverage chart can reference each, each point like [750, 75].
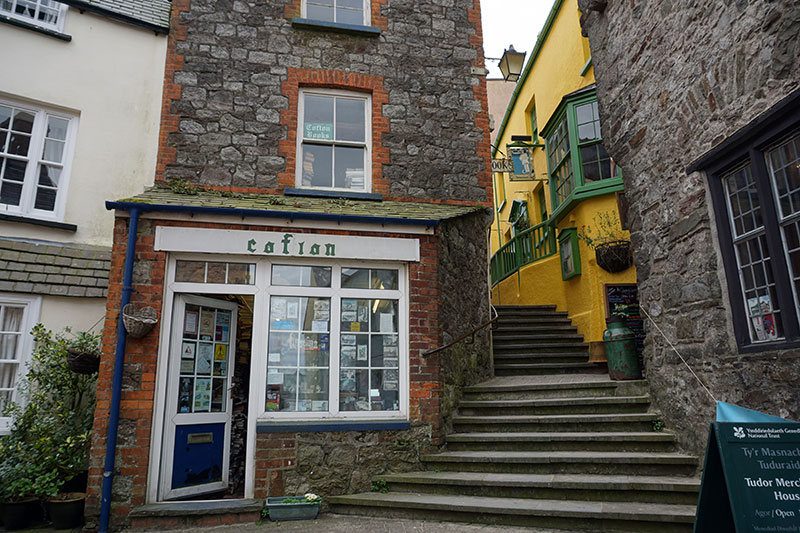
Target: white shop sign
[260, 243]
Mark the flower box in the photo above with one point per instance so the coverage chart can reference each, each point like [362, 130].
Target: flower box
[282, 512]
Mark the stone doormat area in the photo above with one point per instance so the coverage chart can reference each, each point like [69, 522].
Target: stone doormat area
[333, 523]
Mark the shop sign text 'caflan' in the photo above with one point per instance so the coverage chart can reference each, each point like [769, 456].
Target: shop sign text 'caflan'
[284, 244]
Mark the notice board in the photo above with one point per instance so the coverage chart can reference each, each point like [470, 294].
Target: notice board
[623, 300]
[751, 479]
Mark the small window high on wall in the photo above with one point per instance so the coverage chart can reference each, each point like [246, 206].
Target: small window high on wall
[340, 11]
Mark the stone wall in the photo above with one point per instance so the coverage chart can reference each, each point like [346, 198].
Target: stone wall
[673, 80]
[233, 72]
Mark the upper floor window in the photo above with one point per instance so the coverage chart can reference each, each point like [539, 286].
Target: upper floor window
[577, 160]
[35, 152]
[341, 11]
[45, 13]
[334, 141]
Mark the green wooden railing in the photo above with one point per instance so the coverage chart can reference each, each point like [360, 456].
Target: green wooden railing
[526, 247]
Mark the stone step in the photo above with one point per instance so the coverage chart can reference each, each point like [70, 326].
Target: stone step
[554, 423]
[513, 369]
[513, 329]
[502, 389]
[563, 462]
[590, 405]
[554, 357]
[514, 321]
[543, 347]
[563, 441]
[502, 341]
[571, 515]
[622, 488]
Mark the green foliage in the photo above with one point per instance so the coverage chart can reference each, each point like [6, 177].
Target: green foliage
[51, 429]
[658, 425]
[179, 186]
[84, 342]
[606, 228]
[380, 485]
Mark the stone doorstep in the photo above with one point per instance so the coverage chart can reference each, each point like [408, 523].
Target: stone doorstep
[550, 457]
[556, 402]
[562, 436]
[539, 383]
[196, 508]
[557, 419]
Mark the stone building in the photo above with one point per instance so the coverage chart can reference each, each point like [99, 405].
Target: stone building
[79, 104]
[318, 224]
[701, 105]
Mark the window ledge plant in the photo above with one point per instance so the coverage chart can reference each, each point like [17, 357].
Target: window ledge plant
[610, 243]
[283, 508]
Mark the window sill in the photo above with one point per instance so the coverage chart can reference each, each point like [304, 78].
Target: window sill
[334, 425]
[38, 222]
[335, 27]
[34, 27]
[319, 193]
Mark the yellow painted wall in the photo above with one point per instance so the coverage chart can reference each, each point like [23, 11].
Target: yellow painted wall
[554, 74]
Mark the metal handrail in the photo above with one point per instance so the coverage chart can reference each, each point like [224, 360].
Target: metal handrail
[461, 338]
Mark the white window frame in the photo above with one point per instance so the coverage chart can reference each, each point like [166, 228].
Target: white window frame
[365, 21]
[34, 159]
[30, 316]
[58, 26]
[367, 144]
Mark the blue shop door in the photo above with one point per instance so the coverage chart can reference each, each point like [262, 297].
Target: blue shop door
[198, 419]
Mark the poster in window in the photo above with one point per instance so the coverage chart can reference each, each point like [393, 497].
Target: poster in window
[202, 395]
[390, 340]
[292, 310]
[387, 322]
[187, 352]
[279, 308]
[284, 324]
[185, 389]
[348, 340]
[221, 352]
[275, 378]
[363, 313]
[762, 318]
[318, 131]
[348, 381]
[348, 355]
[273, 398]
[349, 316]
[275, 357]
[222, 334]
[355, 326]
[190, 323]
[319, 405]
[324, 342]
[205, 353]
[187, 366]
[349, 305]
[362, 352]
[221, 368]
[322, 310]
[206, 324]
[319, 326]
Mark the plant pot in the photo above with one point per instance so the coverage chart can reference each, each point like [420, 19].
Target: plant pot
[19, 515]
[66, 510]
[281, 512]
[614, 256]
[83, 362]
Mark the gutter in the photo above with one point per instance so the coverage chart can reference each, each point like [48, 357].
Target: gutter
[119, 362]
[261, 213]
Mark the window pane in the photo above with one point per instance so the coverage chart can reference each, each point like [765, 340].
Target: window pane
[319, 12]
[19, 143]
[313, 390]
[355, 278]
[241, 273]
[350, 167]
[49, 175]
[743, 201]
[349, 16]
[190, 271]
[22, 122]
[357, 4]
[53, 150]
[317, 165]
[215, 272]
[45, 199]
[318, 117]
[784, 166]
[301, 276]
[8, 373]
[8, 346]
[10, 193]
[14, 170]
[5, 117]
[350, 118]
[12, 319]
[384, 279]
[57, 128]
[384, 393]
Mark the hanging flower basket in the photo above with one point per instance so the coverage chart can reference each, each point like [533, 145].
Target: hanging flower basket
[614, 256]
[82, 362]
[138, 322]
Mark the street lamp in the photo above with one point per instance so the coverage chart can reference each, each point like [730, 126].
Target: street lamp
[511, 63]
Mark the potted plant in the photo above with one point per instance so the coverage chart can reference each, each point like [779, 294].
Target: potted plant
[283, 508]
[22, 483]
[48, 444]
[83, 353]
[611, 247]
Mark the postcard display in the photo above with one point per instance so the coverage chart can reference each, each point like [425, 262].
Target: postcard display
[204, 360]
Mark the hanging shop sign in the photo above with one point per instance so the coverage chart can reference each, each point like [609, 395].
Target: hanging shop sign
[751, 478]
[502, 165]
[521, 161]
[264, 243]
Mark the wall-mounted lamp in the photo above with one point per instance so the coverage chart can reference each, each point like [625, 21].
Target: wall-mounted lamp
[511, 63]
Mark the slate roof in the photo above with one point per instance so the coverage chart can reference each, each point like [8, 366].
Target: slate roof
[271, 205]
[52, 268]
[149, 13]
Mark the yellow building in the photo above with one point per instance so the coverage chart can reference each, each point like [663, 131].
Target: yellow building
[548, 211]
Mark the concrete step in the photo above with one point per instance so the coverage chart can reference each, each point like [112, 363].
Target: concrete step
[501, 341]
[590, 405]
[540, 319]
[521, 512]
[563, 441]
[501, 388]
[564, 325]
[512, 369]
[639, 422]
[543, 347]
[563, 462]
[622, 488]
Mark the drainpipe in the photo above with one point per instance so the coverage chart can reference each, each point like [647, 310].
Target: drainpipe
[119, 361]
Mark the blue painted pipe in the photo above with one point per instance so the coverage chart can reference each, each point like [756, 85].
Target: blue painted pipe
[119, 365]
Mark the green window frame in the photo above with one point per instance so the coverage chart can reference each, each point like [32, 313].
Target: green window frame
[569, 252]
[577, 162]
[534, 127]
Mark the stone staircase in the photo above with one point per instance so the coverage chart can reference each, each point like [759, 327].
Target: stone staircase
[550, 442]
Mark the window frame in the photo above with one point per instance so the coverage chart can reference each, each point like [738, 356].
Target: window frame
[366, 19]
[750, 146]
[367, 144]
[568, 239]
[32, 305]
[57, 27]
[581, 190]
[26, 207]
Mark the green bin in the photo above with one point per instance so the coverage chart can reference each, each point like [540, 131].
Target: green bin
[620, 343]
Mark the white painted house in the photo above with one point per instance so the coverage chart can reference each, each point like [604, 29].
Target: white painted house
[80, 105]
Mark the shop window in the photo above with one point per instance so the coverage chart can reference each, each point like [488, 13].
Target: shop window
[44, 13]
[334, 141]
[215, 272]
[570, 253]
[340, 11]
[577, 161]
[18, 314]
[754, 180]
[35, 151]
